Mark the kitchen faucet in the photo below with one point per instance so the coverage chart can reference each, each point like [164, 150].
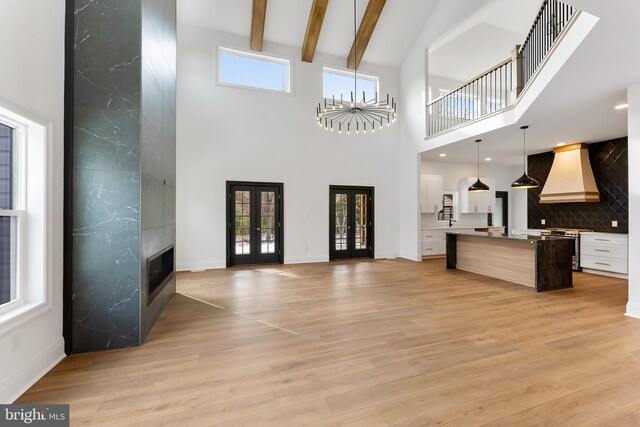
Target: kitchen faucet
[451, 221]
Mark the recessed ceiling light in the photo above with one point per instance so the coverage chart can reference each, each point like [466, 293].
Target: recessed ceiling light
[443, 155]
[622, 106]
[488, 159]
[560, 144]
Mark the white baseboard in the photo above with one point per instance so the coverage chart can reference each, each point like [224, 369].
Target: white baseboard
[633, 310]
[29, 372]
[213, 265]
[411, 257]
[605, 273]
[305, 260]
[205, 265]
[386, 256]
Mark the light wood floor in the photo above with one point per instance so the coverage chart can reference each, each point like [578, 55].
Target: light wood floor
[365, 344]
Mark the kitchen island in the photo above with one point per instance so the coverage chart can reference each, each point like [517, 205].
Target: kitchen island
[540, 262]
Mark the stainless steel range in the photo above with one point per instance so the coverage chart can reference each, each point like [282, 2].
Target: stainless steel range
[570, 233]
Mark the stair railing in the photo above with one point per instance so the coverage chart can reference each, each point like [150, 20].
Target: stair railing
[499, 88]
[550, 22]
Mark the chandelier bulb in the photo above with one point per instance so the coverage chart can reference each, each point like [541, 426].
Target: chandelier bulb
[350, 109]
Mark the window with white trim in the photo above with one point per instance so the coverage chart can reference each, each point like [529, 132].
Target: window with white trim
[25, 222]
[11, 214]
[254, 71]
[336, 83]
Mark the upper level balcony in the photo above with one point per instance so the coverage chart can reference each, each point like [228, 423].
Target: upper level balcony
[502, 86]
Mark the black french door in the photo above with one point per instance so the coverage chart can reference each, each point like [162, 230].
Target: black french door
[350, 222]
[254, 223]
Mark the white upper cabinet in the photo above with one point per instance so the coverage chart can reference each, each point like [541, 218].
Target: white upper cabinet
[431, 191]
[483, 202]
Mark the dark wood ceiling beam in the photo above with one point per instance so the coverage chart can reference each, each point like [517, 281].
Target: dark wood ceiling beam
[258, 15]
[316, 17]
[365, 31]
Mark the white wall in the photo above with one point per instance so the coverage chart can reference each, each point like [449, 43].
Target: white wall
[437, 83]
[239, 134]
[517, 203]
[633, 98]
[31, 81]
[504, 176]
[412, 118]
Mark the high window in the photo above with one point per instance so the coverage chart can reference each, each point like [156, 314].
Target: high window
[255, 71]
[340, 82]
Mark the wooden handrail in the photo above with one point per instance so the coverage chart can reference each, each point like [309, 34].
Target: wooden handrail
[535, 24]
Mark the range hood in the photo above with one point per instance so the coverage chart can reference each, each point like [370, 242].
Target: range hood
[571, 178]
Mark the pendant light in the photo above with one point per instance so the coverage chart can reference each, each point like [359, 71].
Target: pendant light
[352, 113]
[478, 186]
[525, 181]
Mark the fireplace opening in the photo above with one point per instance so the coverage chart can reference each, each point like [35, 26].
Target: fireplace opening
[159, 272]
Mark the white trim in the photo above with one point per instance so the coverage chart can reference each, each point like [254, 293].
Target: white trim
[199, 266]
[633, 310]
[18, 196]
[605, 273]
[13, 386]
[287, 62]
[306, 260]
[33, 140]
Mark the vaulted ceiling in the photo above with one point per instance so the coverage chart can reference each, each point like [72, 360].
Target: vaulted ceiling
[286, 21]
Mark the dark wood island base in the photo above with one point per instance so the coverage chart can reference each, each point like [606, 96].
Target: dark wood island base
[543, 263]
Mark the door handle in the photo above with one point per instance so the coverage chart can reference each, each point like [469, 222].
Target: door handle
[258, 229]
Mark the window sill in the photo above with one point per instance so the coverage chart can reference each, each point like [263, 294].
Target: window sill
[20, 315]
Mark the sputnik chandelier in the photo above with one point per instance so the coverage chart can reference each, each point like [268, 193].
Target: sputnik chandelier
[353, 115]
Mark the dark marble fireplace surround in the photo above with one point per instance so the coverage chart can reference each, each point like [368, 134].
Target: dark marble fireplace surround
[122, 185]
[609, 161]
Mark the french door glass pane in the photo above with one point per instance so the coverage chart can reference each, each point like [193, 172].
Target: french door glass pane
[243, 222]
[361, 222]
[341, 222]
[267, 222]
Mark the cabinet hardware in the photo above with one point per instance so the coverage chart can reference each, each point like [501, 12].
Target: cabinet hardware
[602, 263]
[602, 250]
[603, 240]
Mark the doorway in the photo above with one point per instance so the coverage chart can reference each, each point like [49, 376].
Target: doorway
[501, 215]
[254, 223]
[351, 225]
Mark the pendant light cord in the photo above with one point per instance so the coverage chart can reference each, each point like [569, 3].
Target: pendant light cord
[478, 143]
[524, 150]
[355, 54]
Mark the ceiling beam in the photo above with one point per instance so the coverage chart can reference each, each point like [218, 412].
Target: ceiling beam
[316, 17]
[368, 24]
[258, 14]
